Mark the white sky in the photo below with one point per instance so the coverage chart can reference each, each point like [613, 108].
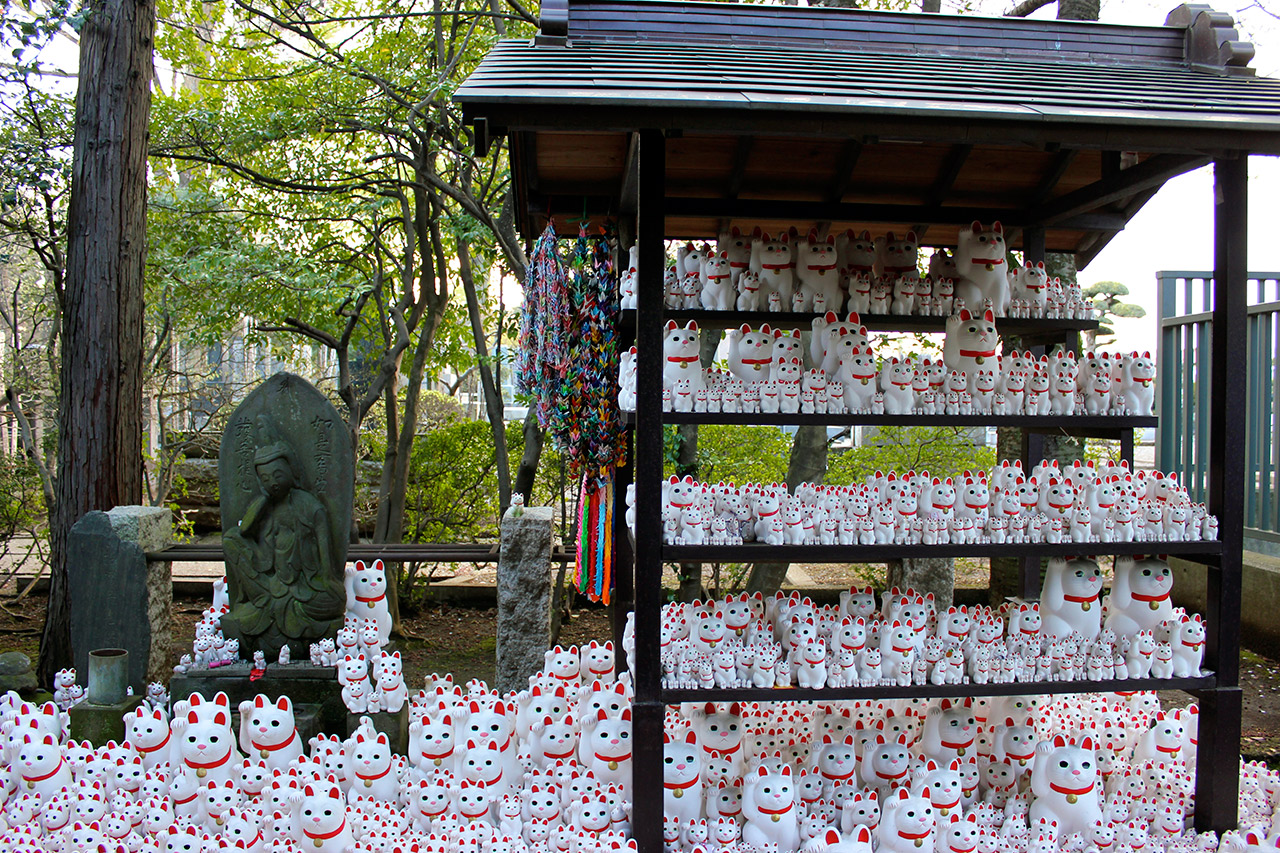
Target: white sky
[1174, 230]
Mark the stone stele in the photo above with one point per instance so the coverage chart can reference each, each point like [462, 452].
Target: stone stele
[285, 481]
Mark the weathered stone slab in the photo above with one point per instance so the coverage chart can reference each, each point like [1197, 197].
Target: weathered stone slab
[524, 596]
[101, 723]
[394, 726]
[285, 474]
[119, 599]
[16, 673]
[314, 691]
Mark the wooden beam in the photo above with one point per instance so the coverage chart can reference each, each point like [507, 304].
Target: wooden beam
[947, 175]
[842, 177]
[1058, 168]
[630, 177]
[1152, 172]
[741, 154]
[1093, 245]
[714, 208]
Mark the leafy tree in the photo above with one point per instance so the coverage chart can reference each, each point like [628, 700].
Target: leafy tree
[1105, 296]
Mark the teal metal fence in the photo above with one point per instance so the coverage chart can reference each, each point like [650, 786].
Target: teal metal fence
[1184, 314]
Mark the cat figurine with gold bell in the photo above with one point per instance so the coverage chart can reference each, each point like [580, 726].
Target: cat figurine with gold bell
[1140, 596]
[980, 260]
[268, 731]
[971, 344]
[770, 810]
[1064, 779]
[321, 820]
[207, 746]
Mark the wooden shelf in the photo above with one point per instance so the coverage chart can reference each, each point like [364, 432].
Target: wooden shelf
[671, 696]
[756, 552]
[1090, 426]
[1030, 330]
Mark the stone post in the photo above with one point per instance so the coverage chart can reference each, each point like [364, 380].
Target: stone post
[932, 574]
[119, 599]
[524, 596]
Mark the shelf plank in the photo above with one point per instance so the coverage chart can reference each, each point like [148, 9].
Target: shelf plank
[1094, 426]
[1036, 329]
[929, 691]
[755, 552]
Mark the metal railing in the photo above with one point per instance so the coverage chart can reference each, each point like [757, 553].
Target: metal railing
[1184, 315]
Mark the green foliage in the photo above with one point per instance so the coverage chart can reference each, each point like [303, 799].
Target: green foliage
[1105, 296]
[738, 454]
[942, 451]
[452, 494]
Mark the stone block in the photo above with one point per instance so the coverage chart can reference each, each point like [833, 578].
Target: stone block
[394, 726]
[101, 723]
[119, 599]
[16, 673]
[314, 691]
[524, 596]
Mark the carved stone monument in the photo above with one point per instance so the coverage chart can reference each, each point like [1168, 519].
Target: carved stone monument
[285, 478]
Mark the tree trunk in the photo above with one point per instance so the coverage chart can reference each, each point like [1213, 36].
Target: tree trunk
[492, 399]
[1079, 10]
[100, 397]
[528, 467]
[808, 465]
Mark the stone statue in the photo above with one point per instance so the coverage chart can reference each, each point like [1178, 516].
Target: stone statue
[285, 475]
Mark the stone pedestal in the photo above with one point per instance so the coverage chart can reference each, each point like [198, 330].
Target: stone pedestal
[394, 726]
[314, 691]
[935, 575]
[119, 599]
[101, 723]
[524, 596]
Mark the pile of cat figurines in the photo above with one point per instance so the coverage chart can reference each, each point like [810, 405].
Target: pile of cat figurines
[766, 368]
[766, 375]
[854, 272]
[1079, 503]
[546, 769]
[1072, 633]
[372, 679]
[550, 769]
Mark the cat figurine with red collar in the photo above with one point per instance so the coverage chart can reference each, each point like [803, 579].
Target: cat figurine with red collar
[772, 260]
[321, 820]
[896, 257]
[908, 824]
[971, 344]
[1070, 603]
[950, 731]
[769, 809]
[681, 351]
[1140, 596]
[605, 747]
[39, 768]
[1162, 743]
[206, 745]
[818, 271]
[367, 596]
[720, 733]
[980, 260]
[268, 731]
[1065, 781]
[751, 353]
[682, 778]
[149, 734]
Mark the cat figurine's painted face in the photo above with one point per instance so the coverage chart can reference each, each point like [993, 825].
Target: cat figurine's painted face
[681, 341]
[975, 332]
[838, 759]
[1070, 766]
[890, 761]
[775, 254]
[1151, 577]
[681, 761]
[489, 722]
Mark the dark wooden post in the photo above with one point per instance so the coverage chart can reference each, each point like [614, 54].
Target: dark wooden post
[1217, 777]
[647, 710]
